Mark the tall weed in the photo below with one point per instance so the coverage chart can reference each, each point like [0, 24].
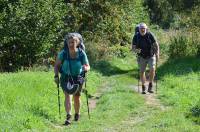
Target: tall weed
[184, 44]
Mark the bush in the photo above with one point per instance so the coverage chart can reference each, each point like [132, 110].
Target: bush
[96, 49]
[182, 46]
[119, 51]
[31, 30]
[176, 13]
[28, 31]
[194, 113]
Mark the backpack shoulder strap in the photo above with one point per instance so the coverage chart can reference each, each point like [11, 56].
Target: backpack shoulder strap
[65, 56]
[137, 39]
[80, 55]
[80, 52]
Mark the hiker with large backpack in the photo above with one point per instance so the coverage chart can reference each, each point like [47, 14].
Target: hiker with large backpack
[71, 63]
[147, 49]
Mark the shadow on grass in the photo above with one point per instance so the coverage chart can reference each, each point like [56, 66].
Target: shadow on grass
[134, 73]
[107, 69]
[194, 113]
[179, 67]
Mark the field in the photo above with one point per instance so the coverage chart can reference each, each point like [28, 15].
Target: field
[29, 99]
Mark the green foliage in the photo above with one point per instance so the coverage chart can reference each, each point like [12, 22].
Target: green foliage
[32, 30]
[179, 47]
[178, 89]
[104, 23]
[194, 113]
[28, 30]
[173, 13]
[184, 44]
[29, 101]
[111, 20]
[119, 51]
[160, 12]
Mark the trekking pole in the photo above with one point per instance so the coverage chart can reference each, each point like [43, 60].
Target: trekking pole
[138, 79]
[156, 76]
[59, 99]
[138, 76]
[86, 94]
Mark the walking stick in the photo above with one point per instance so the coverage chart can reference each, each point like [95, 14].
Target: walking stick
[138, 75]
[58, 98]
[86, 94]
[138, 79]
[156, 75]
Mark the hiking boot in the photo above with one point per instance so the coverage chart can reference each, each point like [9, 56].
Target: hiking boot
[150, 88]
[76, 117]
[67, 121]
[143, 89]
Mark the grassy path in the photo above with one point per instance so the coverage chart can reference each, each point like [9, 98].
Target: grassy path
[152, 106]
[29, 100]
[176, 112]
[149, 109]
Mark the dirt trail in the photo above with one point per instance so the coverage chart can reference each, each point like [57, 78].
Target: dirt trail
[152, 105]
[94, 99]
[150, 99]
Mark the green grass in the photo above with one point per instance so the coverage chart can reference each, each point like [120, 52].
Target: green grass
[178, 89]
[29, 99]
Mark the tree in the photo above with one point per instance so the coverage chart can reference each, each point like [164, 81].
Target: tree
[28, 30]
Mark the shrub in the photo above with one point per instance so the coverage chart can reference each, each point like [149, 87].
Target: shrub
[194, 113]
[182, 46]
[119, 51]
[28, 30]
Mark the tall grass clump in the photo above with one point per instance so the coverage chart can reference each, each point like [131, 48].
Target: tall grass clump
[194, 113]
[184, 44]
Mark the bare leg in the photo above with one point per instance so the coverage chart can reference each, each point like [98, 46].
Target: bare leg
[77, 103]
[143, 80]
[152, 75]
[67, 103]
[143, 77]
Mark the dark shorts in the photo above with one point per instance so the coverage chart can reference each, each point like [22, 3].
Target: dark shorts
[73, 79]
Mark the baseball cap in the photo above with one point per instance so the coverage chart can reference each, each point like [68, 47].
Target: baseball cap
[142, 25]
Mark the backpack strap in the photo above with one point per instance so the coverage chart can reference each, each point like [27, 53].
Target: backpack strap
[149, 38]
[137, 39]
[80, 55]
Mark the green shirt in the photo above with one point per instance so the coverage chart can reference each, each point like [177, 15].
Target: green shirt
[76, 63]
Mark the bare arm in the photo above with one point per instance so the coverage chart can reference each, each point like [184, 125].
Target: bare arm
[86, 67]
[157, 50]
[57, 66]
[133, 47]
[136, 50]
